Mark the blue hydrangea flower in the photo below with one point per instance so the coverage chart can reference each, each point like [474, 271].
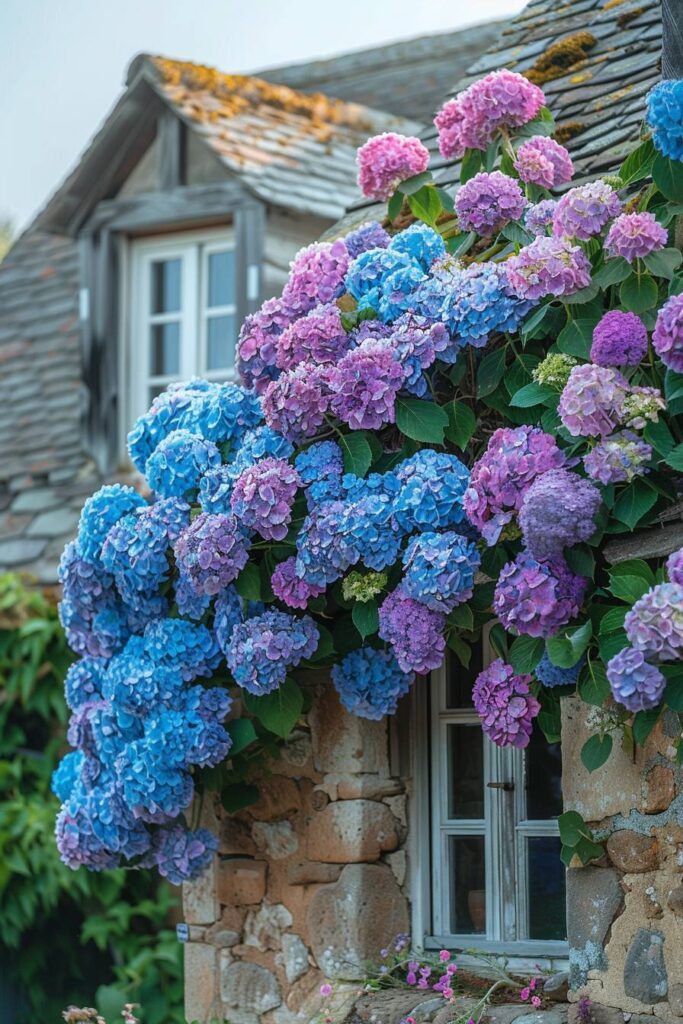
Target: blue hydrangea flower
[370, 526]
[177, 464]
[320, 468]
[263, 649]
[216, 487]
[153, 790]
[421, 243]
[135, 684]
[636, 684]
[368, 272]
[665, 117]
[189, 732]
[181, 855]
[104, 508]
[190, 604]
[229, 612]
[83, 682]
[324, 550]
[369, 683]
[183, 647]
[171, 410]
[113, 730]
[398, 291]
[551, 675]
[226, 412]
[262, 443]
[433, 486]
[66, 774]
[136, 549]
[440, 569]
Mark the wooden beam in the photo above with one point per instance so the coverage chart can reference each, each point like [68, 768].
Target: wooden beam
[657, 542]
[171, 136]
[163, 210]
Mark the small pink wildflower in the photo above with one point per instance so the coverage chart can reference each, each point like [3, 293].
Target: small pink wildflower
[447, 993]
[451, 969]
[535, 1002]
[325, 990]
[532, 984]
[444, 956]
[524, 994]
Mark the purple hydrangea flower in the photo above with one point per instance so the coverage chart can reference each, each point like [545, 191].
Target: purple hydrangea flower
[655, 623]
[416, 345]
[592, 402]
[317, 337]
[539, 217]
[439, 570]
[316, 276]
[674, 567]
[292, 590]
[180, 855]
[211, 552]
[558, 510]
[263, 649]
[548, 266]
[324, 550]
[370, 235]
[500, 99]
[504, 704]
[514, 457]
[263, 496]
[177, 464]
[635, 684]
[618, 458]
[542, 161]
[364, 385]
[296, 403]
[136, 548]
[320, 468]
[585, 210]
[386, 160]
[83, 682]
[635, 235]
[619, 339]
[257, 345]
[665, 117]
[370, 683]
[537, 598]
[100, 512]
[488, 201]
[414, 632]
[667, 339]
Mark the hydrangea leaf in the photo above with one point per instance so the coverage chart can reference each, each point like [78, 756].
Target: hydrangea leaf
[613, 619]
[421, 420]
[628, 588]
[525, 653]
[248, 583]
[575, 339]
[531, 395]
[461, 423]
[675, 458]
[634, 567]
[516, 233]
[584, 295]
[411, 185]
[673, 385]
[595, 752]
[461, 244]
[668, 177]
[277, 711]
[634, 502]
[462, 650]
[643, 724]
[242, 733]
[536, 319]
[659, 436]
[357, 452]
[664, 262]
[564, 650]
[395, 205]
[471, 164]
[612, 643]
[613, 271]
[462, 617]
[673, 695]
[365, 617]
[239, 795]
[490, 372]
[426, 205]
[638, 293]
[594, 687]
[572, 828]
[638, 164]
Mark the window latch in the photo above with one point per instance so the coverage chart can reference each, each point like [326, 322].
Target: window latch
[506, 786]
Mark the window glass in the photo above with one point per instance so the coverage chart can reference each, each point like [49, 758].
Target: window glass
[546, 896]
[165, 349]
[460, 680]
[165, 297]
[543, 778]
[465, 751]
[221, 278]
[467, 885]
[220, 333]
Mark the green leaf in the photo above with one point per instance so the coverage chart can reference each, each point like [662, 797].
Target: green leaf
[525, 653]
[239, 795]
[643, 724]
[461, 423]
[461, 244]
[411, 185]
[576, 338]
[660, 437]
[567, 855]
[242, 733]
[581, 560]
[634, 567]
[462, 618]
[446, 200]
[668, 177]
[675, 458]
[634, 503]
[673, 385]
[613, 620]
[638, 164]
[490, 372]
[516, 233]
[395, 205]
[544, 124]
[587, 850]
[426, 205]
[614, 271]
[357, 452]
[532, 394]
[673, 695]
[595, 752]
[663, 263]
[421, 420]
[325, 648]
[594, 687]
[628, 588]
[471, 164]
[612, 643]
[638, 293]
[462, 651]
[277, 711]
[565, 649]
[248, 583]
[572, 828]
[365, 617]
[536, 319]
[582, 296]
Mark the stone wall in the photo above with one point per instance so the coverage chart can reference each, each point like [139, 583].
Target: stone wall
[308, 884]
[625, 912]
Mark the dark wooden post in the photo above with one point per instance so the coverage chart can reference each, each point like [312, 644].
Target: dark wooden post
[672, 39]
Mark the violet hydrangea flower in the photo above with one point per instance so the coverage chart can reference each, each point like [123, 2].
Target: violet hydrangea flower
[263, 649]
[258, 344]
[212, 551]
[317, 337]
[592, 401]
[439, 570]
[488, 201]
[634, 683]
[674, 567]
[618, 458]
[296, 403]
[505, 705]
[263, 496]
[537, 598]
[619, 339]
[324, 550]
[414, 632]
[180, 855]
[667, 339]
[548, 266]
[364, 385]
[542, 161]
[386, 160]
[665, 117]
[370, 682]
[369, 235]
[539, 217]
[316, 276]
[290, 588]
[558, 510]
[655, 623]
[585, 210]
[635, 235]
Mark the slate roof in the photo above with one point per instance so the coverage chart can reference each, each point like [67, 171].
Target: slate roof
[409, 77]
[607, 61]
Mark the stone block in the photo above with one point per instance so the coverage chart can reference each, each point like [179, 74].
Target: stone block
[241, 881]
[365, 787]
[593, 898]
[277, 839]
[556, 987]
[558, 1015]
[352, 831]
[200, 981]
[309, 872]
[660, 789]
[263, 928]
[398, 862]
[20, 550]
[224, 938]
[632, 852]
[56, 523]
[200, 903]
[280, 798]
[235, 837]
[294, 956]
[350, 920]
[645, 977]
[247, 987]
[674, 901]
[344, 743]
[37, 499]
[676, 999]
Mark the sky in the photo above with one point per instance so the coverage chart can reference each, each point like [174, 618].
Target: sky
[62, 62]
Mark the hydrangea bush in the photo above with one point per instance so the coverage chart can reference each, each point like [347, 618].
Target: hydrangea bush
[441, 423]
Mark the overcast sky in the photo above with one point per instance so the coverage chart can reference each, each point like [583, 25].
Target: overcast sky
[62, 62]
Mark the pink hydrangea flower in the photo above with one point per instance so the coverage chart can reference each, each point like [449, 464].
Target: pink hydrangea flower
[258, 343]
[501, 99]
[317, 337]
[386, 160]
[295, 404]
[542, 161]
[585, 210]
[548, 266]
[635, 235]
[667, 338]
[316, 276]
[592, 402]
[364, 385]
[290, 588]
[487, 202]
[537, 598]
[504, 704]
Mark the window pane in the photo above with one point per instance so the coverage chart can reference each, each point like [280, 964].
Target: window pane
[467, 885]
[165, 286]
[165, 355]
[465, 752]
[461, 680]
[547, 903]
[220, 332]
[221, 278]
[543, 771]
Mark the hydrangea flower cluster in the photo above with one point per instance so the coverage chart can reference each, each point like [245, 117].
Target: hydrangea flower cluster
[537, 598]
[634, 683]
[654, 625]
[501, 99]
[665, 117]
[619, 339]
[592, 401]
[557, 511]
[539, 217]
[262, 649]
[505, 705]
[263, 496]
[552, 675]
[585, 210]
[489, 201]
[635, 235]
[369, 683]
[542, 161]
[413, 631]
[618, 458]
[211, 552]
[554, 370]
[674, 567]
[667, 338]
[386, 160]
[548, 266]
[439, 570]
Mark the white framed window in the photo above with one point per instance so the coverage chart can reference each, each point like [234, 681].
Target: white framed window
[183, 317]
[498, 883]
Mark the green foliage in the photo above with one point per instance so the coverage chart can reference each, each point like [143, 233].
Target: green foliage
[577, 839]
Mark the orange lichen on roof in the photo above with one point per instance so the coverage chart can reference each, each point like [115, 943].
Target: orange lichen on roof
[566, 55]
[628, 16]
[568, 130]
[613, 3]
[613, 97]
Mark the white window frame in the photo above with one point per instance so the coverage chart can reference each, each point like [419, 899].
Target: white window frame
[193, 249]
[505, 831]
